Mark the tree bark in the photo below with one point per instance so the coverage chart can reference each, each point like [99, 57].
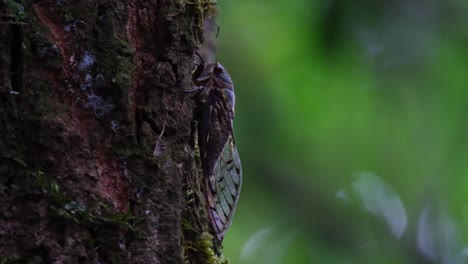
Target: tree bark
[95, 161]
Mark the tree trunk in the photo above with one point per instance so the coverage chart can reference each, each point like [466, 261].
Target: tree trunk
[95, 161]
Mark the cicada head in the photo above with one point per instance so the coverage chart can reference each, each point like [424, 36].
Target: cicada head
[211, 75]
[218, 68]
[222, 78]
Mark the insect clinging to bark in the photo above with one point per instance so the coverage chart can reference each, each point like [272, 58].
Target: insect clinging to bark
[214, 115]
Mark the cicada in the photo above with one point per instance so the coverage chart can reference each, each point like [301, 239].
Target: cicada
[221, 166]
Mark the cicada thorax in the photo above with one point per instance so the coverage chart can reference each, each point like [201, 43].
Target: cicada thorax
[220, 160]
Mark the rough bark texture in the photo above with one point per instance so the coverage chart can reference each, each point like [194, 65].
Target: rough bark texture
[95, 162]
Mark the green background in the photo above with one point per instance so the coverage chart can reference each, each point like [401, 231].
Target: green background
[351, 119]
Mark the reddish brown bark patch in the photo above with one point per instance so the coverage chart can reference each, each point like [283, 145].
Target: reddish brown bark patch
[90, 158]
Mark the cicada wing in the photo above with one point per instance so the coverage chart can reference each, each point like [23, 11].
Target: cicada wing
[224, 188]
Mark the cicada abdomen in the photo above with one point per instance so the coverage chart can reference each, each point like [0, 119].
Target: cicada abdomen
[219, 157]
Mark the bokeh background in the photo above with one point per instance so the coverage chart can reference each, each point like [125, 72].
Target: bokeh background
[352, 126]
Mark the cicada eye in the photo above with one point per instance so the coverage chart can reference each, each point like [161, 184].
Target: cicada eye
[218, 69]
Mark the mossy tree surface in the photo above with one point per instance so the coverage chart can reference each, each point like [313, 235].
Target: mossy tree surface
[95, 161]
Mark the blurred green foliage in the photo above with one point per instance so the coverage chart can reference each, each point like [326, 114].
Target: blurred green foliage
[327, 89]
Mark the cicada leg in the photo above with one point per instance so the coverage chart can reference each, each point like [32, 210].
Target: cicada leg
[195, 90]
